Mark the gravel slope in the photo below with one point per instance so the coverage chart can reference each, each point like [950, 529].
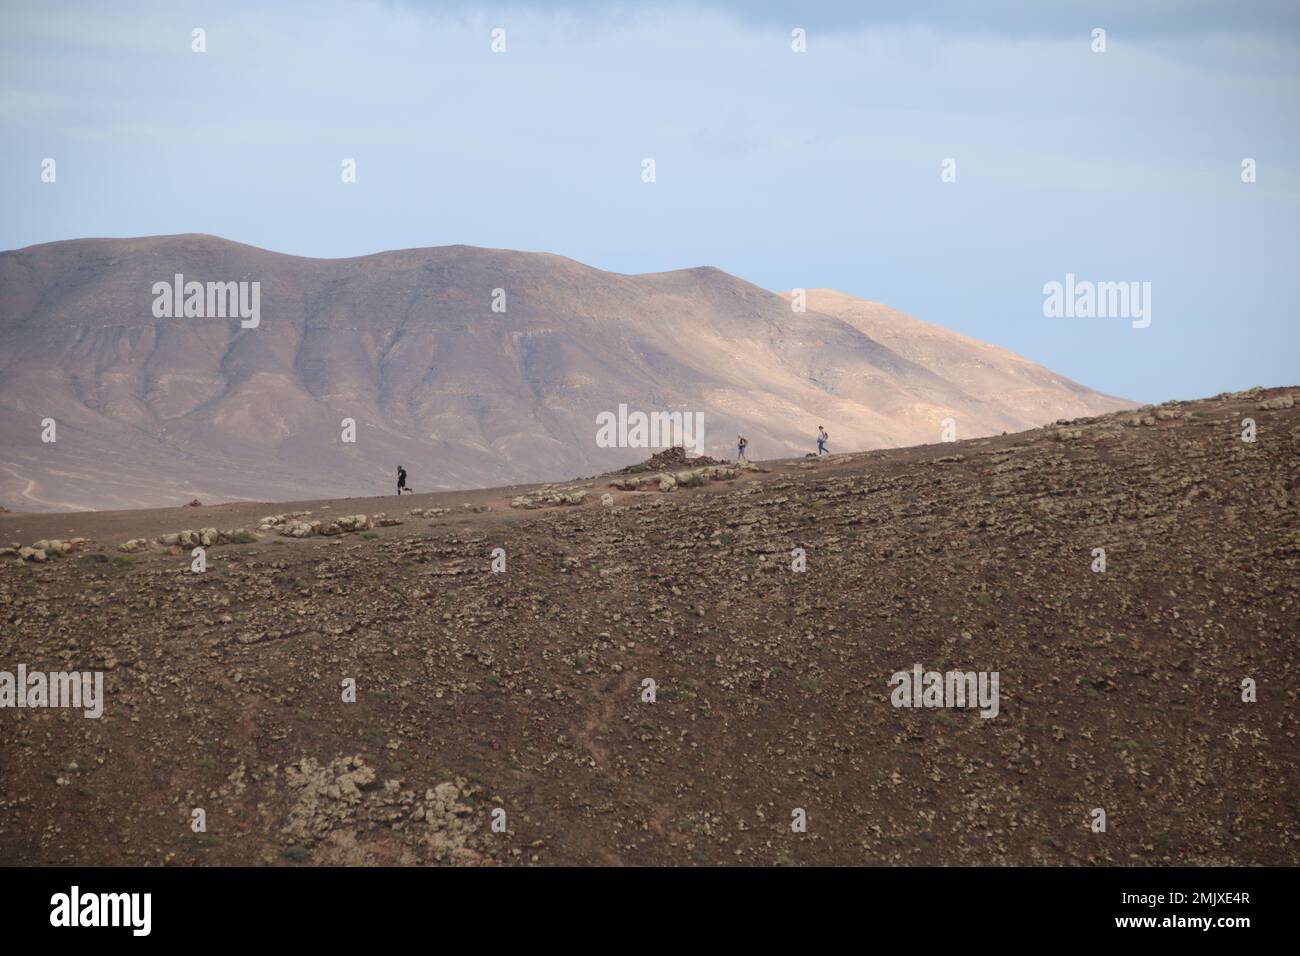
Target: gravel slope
[522, 690]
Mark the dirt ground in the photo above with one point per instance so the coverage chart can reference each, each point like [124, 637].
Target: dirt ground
[523, 691]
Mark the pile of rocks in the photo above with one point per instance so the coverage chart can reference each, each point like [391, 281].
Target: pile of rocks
[346, 796]
[346, 524]
[44, 549]
[206, 537]
[295, 526]
[670, 459]
[1069, 434]
[549, 495]
[668, 481]
[276, 522]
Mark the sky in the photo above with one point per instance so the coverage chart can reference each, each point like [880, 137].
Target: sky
[811, 169]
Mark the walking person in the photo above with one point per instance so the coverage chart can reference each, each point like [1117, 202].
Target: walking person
[741, 444]
[821, 441]
[401, 481]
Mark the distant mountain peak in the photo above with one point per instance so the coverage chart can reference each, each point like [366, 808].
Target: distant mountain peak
[471, 366]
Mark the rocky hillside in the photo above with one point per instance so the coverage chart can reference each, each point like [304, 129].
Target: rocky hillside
[524, 689]
[157, 409]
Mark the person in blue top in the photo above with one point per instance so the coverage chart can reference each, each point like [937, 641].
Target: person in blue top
[821, 440]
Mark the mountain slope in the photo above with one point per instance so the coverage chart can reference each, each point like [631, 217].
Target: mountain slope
[158, 410]
[1120, 689]
[985, 372]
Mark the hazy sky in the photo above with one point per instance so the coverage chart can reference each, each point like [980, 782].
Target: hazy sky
[788, 169]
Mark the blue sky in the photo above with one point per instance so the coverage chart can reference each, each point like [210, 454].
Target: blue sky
[813, 169]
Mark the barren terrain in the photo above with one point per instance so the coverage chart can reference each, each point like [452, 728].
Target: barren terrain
[522, 690]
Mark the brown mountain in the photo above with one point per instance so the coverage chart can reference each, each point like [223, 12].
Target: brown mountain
[1119, 688]
[152, 410]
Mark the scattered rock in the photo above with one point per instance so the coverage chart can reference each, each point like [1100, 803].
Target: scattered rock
[1272, 404]
[549, 496]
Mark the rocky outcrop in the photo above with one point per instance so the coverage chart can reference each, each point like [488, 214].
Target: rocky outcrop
[206, 538]
[44, 549]
[345, 524]
[345, 797]
[670, 459]
[670, 481]
[300, 524]
[272, 522]
[550, 496]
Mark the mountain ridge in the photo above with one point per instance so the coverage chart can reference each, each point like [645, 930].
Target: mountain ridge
[407, 344]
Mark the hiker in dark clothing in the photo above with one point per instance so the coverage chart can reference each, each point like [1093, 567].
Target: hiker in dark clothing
[821, 440]
[401, 480]
[741, 444]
